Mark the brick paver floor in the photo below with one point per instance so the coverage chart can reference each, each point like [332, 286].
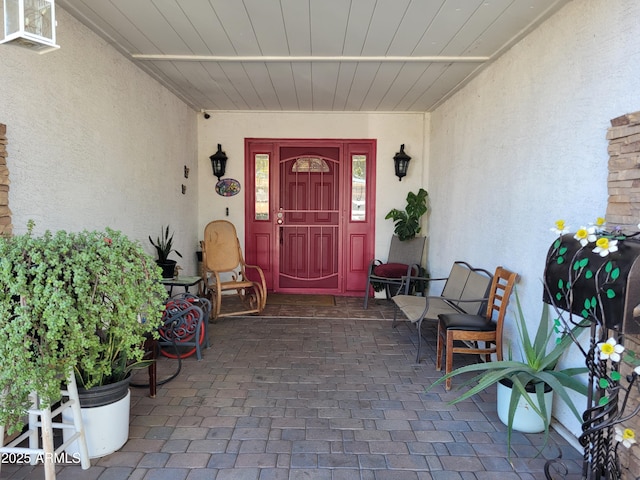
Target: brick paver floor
[324, 394]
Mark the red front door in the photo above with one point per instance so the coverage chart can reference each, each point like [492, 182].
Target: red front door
[308, 219]
[310, 210]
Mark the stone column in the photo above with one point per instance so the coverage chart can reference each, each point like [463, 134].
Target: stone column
[6, 228]
[623, 210]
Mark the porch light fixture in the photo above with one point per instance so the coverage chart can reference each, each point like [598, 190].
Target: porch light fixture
[218, 162]
[29, 24]
[401, 161]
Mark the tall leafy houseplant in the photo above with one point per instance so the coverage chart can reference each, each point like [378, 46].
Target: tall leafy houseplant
[72, 301]
[529, 377]
[407, 221]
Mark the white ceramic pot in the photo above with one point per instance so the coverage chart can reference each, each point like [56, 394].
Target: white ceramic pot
[526, 419]
[106, 428]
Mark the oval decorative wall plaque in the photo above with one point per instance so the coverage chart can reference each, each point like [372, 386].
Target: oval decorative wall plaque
[228, 187]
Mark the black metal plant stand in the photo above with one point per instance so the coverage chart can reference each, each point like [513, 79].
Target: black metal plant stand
[583, 285]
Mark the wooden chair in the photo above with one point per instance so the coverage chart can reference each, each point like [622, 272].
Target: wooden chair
[224, 270]
[403, 260]
[471, 329]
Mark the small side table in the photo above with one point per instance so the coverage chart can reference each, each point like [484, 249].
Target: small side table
[185, 282]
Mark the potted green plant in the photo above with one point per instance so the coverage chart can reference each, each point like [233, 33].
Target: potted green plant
[79, 302]
[406, 228]
[164, 247]
[527, 385]
[407, 221]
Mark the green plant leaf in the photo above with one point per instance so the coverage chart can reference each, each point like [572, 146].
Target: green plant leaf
[164, 245]
[84, 293]
[588, 274]
[563, 250]
[608, 266]
[407, 222]
[603, 401]
[604, 383]
[615, 273]
[615, 376]
[610, 293]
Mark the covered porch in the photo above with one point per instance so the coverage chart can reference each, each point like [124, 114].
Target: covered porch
[329, 393]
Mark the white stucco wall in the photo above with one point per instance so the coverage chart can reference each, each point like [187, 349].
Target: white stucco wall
[390, 129]
[95, 142]
[524, 144]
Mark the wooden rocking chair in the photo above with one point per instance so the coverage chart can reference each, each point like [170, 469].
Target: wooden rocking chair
[224, 270]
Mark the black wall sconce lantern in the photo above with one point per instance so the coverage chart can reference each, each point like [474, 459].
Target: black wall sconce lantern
[219, 162]
[401, 161]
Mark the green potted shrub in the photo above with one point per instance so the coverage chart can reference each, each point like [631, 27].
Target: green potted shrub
[79, 302]
[407, 221]
[528, 385]
[407, 227]
[164, 246]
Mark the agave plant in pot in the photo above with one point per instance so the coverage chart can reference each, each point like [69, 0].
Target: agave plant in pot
[526, 386]
[164, 246]
[79, 302]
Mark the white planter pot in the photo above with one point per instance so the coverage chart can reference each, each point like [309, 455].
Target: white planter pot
[526, 419]
[106, 428]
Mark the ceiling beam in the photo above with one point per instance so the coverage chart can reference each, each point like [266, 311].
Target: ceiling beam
[311, 58]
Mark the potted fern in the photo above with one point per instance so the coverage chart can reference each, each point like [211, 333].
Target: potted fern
[526, 386]
[79, 302]
[164, 247]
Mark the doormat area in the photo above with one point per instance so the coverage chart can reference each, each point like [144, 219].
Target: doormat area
[304, 300]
